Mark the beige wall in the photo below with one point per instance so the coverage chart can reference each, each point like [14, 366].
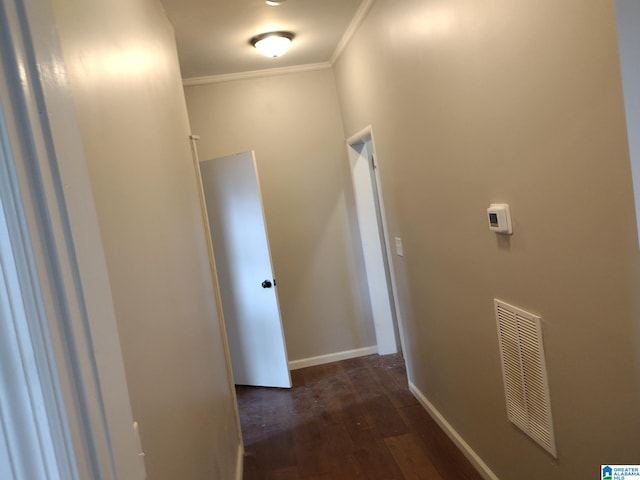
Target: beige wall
[518, 102]
[293, 123]
[122, 64]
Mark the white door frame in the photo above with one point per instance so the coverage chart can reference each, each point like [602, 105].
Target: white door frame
[376, 251]
[216, 284]
[628, 21]
[63, 270]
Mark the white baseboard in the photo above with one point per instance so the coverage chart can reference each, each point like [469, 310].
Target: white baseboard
[455, 437]
[331, 357]
[240, 462]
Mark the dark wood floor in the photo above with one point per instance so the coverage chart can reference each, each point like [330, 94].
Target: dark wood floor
[354, 419]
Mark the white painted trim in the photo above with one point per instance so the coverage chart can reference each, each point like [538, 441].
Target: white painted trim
[66, 245]
[373, 241]
[271, 72]
[33, 424]
[628, 19]
[332, 357]
[356, 21]
[214, 279]
[240, 462]
[360, 136]
[455, 437]
[390, 254]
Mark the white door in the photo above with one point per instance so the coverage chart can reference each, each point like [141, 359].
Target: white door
[243, 263]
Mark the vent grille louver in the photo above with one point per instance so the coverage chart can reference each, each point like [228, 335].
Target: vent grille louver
[524, 373]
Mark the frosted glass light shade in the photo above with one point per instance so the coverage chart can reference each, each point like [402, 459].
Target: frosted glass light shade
[273, 44]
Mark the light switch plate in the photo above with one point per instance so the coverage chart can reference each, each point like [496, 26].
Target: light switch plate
[399, 250]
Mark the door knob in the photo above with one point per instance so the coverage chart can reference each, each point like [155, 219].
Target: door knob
[267, 284]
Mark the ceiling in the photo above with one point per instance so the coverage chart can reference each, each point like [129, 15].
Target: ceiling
[213, 35]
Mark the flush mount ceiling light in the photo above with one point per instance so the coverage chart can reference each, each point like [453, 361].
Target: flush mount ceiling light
[272, 44]
[275, 3]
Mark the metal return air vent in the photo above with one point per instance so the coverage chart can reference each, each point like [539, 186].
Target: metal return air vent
[524, 373]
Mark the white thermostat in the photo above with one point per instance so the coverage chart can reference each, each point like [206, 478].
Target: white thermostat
[499, 218]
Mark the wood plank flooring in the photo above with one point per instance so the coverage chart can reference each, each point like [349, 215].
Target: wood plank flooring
[354, 419]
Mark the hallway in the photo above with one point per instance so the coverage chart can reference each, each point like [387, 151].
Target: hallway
[354, 419]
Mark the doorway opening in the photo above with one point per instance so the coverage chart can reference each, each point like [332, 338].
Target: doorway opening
[374, 238]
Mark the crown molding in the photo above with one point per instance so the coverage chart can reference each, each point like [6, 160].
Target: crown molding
[356, 21]
[230, 77]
